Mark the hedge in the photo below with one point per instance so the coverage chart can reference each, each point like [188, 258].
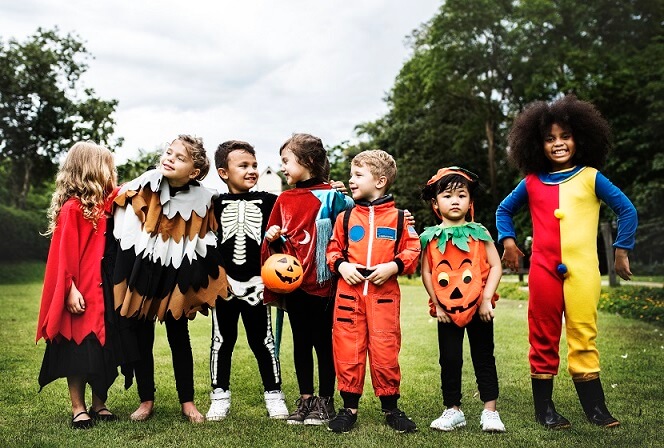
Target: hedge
[20, 237]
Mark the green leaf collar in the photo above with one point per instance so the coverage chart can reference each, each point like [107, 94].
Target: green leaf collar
[460, 235]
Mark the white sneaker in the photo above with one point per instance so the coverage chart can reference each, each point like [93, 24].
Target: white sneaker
[449, 421]
[276, 405]
[220, 403]
[490, 421]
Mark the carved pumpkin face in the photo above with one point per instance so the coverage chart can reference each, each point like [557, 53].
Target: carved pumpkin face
[282, 273]
[458, 280]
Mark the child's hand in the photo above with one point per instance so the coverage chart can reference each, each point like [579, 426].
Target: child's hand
[273, 233]
[74, 302]
[486, 311]
[382, 272]
[622, 264]
[339, 186]
[350, 273]
[511, 254]
[441, 315]
[409, 217]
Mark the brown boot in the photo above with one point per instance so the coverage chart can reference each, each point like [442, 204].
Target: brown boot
[591, 395]
[545, 411]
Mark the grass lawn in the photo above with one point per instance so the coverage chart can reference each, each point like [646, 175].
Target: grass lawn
[632, 355]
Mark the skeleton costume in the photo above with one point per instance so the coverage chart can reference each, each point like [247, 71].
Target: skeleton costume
[243, 218]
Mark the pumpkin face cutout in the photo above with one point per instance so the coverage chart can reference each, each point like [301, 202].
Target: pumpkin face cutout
[282, 273]
[458, 280]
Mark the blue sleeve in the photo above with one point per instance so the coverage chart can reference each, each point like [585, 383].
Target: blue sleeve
[508, 208]
[621, 206]
[341, 202]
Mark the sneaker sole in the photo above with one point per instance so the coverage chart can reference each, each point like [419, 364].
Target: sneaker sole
[214, 418]
[493, 430]
[311, 422]
[278, 417]
[451, 428]
[294, 422]
[338, 432]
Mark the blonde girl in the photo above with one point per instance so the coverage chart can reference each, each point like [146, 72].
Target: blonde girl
[71, 316]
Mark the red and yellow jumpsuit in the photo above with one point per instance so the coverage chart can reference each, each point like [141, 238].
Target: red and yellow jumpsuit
[367, 316]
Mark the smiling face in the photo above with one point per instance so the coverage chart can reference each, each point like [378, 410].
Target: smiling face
[292, 169]
[452, 204]
[559, 148]
[241, 174]
[176, 165]
[364, 185]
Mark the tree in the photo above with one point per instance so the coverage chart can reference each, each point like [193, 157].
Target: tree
[477, 63]
[42, 108]
[133, 168]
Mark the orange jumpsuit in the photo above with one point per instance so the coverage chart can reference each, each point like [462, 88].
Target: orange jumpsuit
[366, 316]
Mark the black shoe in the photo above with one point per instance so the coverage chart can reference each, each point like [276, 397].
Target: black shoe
[591, 395]
[599, 415]
[545, 411]
[82, 424]
[343, 422]
[547, 416]
[301, 411]
[399, 421]
[321, 411]
[95, 415]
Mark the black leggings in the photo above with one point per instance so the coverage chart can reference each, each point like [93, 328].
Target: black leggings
[177, 332]
[310, 319]
[450, 344]
[258, 327]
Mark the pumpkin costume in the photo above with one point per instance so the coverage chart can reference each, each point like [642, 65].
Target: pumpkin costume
[459, 258]
[455, 260]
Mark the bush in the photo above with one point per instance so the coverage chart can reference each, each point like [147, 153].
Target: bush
[21, 239]
[636, 302]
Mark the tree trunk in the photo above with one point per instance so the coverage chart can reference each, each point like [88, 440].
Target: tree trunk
[25, 188]
[488, 126]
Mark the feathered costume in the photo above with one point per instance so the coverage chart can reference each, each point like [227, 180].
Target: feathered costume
[167, 259]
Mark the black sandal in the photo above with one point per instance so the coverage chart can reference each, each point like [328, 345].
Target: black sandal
[95, 415]
[82, 424]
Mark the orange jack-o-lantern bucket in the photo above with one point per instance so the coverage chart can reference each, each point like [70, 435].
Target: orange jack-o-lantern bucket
[282, 273]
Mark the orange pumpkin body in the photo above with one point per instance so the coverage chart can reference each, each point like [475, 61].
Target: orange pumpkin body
[282, 273]
[458, 279]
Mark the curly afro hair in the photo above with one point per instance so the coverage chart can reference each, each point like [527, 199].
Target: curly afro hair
[591, 133]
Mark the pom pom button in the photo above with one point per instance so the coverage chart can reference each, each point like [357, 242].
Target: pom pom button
[562, 269]
[558, 213]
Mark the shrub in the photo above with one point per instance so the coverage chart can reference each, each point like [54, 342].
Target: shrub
[636, 302]
[21, 239]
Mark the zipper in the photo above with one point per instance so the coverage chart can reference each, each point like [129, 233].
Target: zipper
[370, 247]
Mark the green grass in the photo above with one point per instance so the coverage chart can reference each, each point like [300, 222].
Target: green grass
[631, 353]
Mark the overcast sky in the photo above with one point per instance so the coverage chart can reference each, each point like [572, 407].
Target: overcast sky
[249, 70]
